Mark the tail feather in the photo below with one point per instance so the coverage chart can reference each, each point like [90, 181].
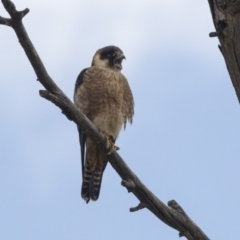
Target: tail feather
[95, 165]
[91, 184]
[95, 184]
[86, 183]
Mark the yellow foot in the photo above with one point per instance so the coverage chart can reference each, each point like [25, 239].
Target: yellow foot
[110, 144]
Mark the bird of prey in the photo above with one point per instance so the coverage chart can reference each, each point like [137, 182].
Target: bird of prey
[103, 94]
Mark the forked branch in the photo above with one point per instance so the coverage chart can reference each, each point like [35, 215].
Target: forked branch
[173, 215]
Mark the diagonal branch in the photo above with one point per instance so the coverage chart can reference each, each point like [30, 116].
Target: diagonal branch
[171, 215]
[33, 57]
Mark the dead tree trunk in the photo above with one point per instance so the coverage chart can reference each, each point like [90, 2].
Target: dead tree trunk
[226, 19]
[172, 215]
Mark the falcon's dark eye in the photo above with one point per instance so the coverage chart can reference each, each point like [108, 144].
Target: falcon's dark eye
[112, 54]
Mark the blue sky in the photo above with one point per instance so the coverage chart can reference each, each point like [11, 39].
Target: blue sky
[183, 144]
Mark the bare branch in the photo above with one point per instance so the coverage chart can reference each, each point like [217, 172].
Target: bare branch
[5, 21]
[33, 57]
[23, 13]
[215, 34]
[11, 9]
[170, 216]
[138, 207]
[226, 20]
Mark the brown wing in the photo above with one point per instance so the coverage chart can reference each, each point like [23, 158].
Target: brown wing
[82, 135]
[128, 102]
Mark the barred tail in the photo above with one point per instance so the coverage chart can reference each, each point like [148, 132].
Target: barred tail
[91, 184]
[86, 183]
[95, 184]
[95, 165]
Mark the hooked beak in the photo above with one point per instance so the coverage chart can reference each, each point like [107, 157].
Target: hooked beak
[118, 61]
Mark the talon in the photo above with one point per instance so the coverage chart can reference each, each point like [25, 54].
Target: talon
[110, 152]
[110, 145]
[108, 141]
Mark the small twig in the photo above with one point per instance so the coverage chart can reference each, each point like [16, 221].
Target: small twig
[5, 21]
[215, 34]
[138, 207]
[22, 14]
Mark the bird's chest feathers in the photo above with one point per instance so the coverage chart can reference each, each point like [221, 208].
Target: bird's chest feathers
[111, 87]
[110, 117]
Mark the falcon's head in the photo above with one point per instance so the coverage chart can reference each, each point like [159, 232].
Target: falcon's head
[109, 57]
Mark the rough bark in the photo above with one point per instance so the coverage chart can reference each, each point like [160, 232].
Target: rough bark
[172, 215]
[226, 19]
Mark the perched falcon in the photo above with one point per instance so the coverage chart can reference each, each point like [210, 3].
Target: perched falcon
[102, 93]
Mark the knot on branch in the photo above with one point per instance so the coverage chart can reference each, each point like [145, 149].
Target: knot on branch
[220, 26]
[129, 184]
[229, 6]
[67, 114]
[176, 207]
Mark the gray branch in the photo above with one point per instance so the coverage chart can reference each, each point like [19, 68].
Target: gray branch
[171, 215]
[226, 19]
[5, 21]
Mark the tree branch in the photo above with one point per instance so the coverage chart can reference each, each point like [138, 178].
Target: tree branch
[5, 21]
[226, 19]
[173, 216]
